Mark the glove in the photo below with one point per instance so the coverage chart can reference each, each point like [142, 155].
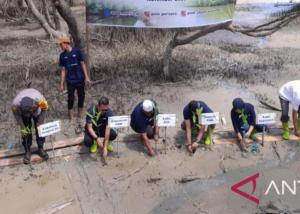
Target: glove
[25, 131]
[43, 104]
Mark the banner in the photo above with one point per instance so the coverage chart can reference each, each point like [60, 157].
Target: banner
[158, 13]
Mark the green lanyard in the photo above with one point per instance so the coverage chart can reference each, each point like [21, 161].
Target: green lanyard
[196, 116]
[244, 117]
[95, 116]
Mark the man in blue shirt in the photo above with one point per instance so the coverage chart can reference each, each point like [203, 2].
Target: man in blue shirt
[243, 119]
[73, 70]
[191, 124]
[143, 122]
[97, 126]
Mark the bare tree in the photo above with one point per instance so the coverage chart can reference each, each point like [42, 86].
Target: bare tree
[49, 19]
[66, 13]
[48, 27]
[184, 37]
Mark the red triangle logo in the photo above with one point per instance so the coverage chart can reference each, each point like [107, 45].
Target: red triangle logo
[235, 188]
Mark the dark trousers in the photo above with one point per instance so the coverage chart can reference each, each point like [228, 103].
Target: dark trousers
[150, 132]
[243, 129]
[88, 139]
[27, 141]
[285, 110]
[71, 95]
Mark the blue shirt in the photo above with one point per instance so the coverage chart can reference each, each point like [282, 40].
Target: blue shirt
[139, 120]
[188, 114]
[72, 63]
[102, 121]
[237, 120]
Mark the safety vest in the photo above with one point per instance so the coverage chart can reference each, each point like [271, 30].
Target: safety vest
[95, 116]
[196, 116]
[243, 117]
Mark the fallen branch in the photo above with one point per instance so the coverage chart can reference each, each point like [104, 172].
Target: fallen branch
[154, 180]
[274, 146]
[123, 177]
[188, 179]
[56, 207]
[269, 106]
[8, 153]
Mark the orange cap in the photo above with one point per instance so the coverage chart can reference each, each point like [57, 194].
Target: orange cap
[43, 104]
[63, 39]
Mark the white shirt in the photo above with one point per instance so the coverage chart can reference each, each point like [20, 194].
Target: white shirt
[290, 91]
[33, 94]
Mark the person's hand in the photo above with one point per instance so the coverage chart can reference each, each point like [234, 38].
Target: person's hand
[151, 152]
[247, 135]
[88, 83]
[61, 88]
[195, 145]
[156, 138]
[104, 153]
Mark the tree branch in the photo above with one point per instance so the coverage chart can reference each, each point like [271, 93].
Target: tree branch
[202, 32]
[41, 19]
[47, 15]
[67, 14]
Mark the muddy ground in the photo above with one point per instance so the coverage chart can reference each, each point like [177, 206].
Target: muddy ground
[215, 69]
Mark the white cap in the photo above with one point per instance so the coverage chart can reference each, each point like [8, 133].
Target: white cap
[148, 105]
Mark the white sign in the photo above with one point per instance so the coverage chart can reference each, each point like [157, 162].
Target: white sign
[166, 120]
[266, 118]
[118, 121]
[49, 128]
[209, 118]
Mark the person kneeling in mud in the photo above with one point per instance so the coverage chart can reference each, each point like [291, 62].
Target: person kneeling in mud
[97, 126]
[243, 119]
[191, 125]
[143, 122]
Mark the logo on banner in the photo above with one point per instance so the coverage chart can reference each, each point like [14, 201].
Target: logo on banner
[147, 13]
[280, 188]
[252, 180]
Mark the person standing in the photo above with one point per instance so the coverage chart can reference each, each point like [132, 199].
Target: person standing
[74, 72]
[289, 93]
[30, 105]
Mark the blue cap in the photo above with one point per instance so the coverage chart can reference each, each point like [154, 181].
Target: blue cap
[238, 103]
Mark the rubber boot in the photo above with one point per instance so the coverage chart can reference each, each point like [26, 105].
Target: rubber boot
[298, 123]
[252, 135]
[286, 131]
[110, 147]
[94, 147]
[43, 154]
[208, 137]
[27, 156]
